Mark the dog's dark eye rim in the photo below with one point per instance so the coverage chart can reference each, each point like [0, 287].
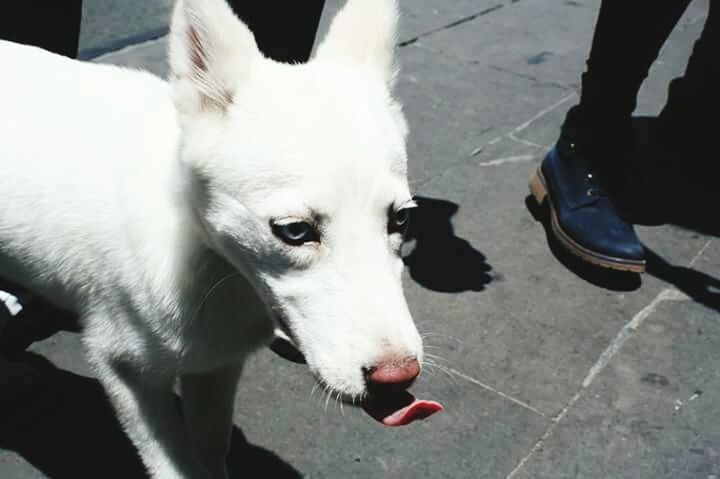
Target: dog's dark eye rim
[295, 233]
[402, 217]
[399, 218]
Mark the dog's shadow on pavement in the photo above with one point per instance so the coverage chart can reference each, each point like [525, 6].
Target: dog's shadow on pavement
[69, 431]
[439, 260]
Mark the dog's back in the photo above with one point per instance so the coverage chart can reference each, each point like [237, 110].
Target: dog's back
[75, 176]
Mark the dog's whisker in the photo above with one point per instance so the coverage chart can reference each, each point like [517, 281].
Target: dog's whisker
[328, 393]
[342, 410]
[211, 290]
[434, 362]
[449, 372]
[431, 334]
[445, 374]
[431, 346]
[430, 370]
[438, 333]
[435, 356]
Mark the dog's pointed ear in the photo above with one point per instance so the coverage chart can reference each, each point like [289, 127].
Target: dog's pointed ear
[364, 32]
[211, 53]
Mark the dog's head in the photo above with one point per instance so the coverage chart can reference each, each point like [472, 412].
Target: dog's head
[299, 180]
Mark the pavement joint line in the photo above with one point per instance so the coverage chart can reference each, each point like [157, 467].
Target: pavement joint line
[124, 45]
[700, 253]
[531, 78]
[513, 131]
[548, 432]
[127, 48]
[667, 294]
[513, 134]
[152, 35]
[543, 112]
[512, 137]
[508, 159]
[491, 389]
[451, 25]
[597, 368]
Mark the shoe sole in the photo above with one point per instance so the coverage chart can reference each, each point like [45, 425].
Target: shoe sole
[539, 190]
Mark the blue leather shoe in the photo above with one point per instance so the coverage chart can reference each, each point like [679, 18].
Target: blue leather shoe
[584, 218]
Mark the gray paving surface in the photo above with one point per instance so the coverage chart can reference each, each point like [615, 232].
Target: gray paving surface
[108, 24]
[544, 373]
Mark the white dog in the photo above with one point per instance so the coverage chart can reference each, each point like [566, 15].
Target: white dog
[186, 221]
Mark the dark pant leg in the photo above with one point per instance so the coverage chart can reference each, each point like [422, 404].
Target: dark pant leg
[628, 37]
[688, 120]
[50, 24]
[285, 31]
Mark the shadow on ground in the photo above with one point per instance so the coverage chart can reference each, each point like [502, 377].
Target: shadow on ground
[441, 261]
[702, 288]
[68, 430]
[674, 183]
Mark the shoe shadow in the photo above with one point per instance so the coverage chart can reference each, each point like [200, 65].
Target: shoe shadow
[602, 277]
[673, 182]
[441, 261]
[701, 287]
[71, 432]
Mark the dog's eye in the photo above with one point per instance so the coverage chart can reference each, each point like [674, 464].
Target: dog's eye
[296, 234]
[399, 220]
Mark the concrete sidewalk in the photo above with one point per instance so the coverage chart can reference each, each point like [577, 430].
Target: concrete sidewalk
[544, 372]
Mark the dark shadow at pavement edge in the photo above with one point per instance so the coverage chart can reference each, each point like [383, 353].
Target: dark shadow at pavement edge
[441, 261]
[68, 430]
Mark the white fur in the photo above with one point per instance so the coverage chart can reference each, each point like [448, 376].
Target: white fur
[146, 208]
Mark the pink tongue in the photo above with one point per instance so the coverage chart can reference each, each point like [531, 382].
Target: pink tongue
[400, 410]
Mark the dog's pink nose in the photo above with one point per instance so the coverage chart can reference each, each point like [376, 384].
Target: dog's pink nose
[392, 376]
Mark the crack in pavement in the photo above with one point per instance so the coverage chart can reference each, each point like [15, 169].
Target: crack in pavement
[451, 25]
[667, 294]
[532, 78]
[508, 159]
[163, 31]
[510, 135]
[493, 390]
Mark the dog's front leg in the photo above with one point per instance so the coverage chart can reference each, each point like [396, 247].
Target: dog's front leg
[145, 404]
[208, 401]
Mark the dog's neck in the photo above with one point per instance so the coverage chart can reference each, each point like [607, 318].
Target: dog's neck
[198, 267]
[168, 245]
